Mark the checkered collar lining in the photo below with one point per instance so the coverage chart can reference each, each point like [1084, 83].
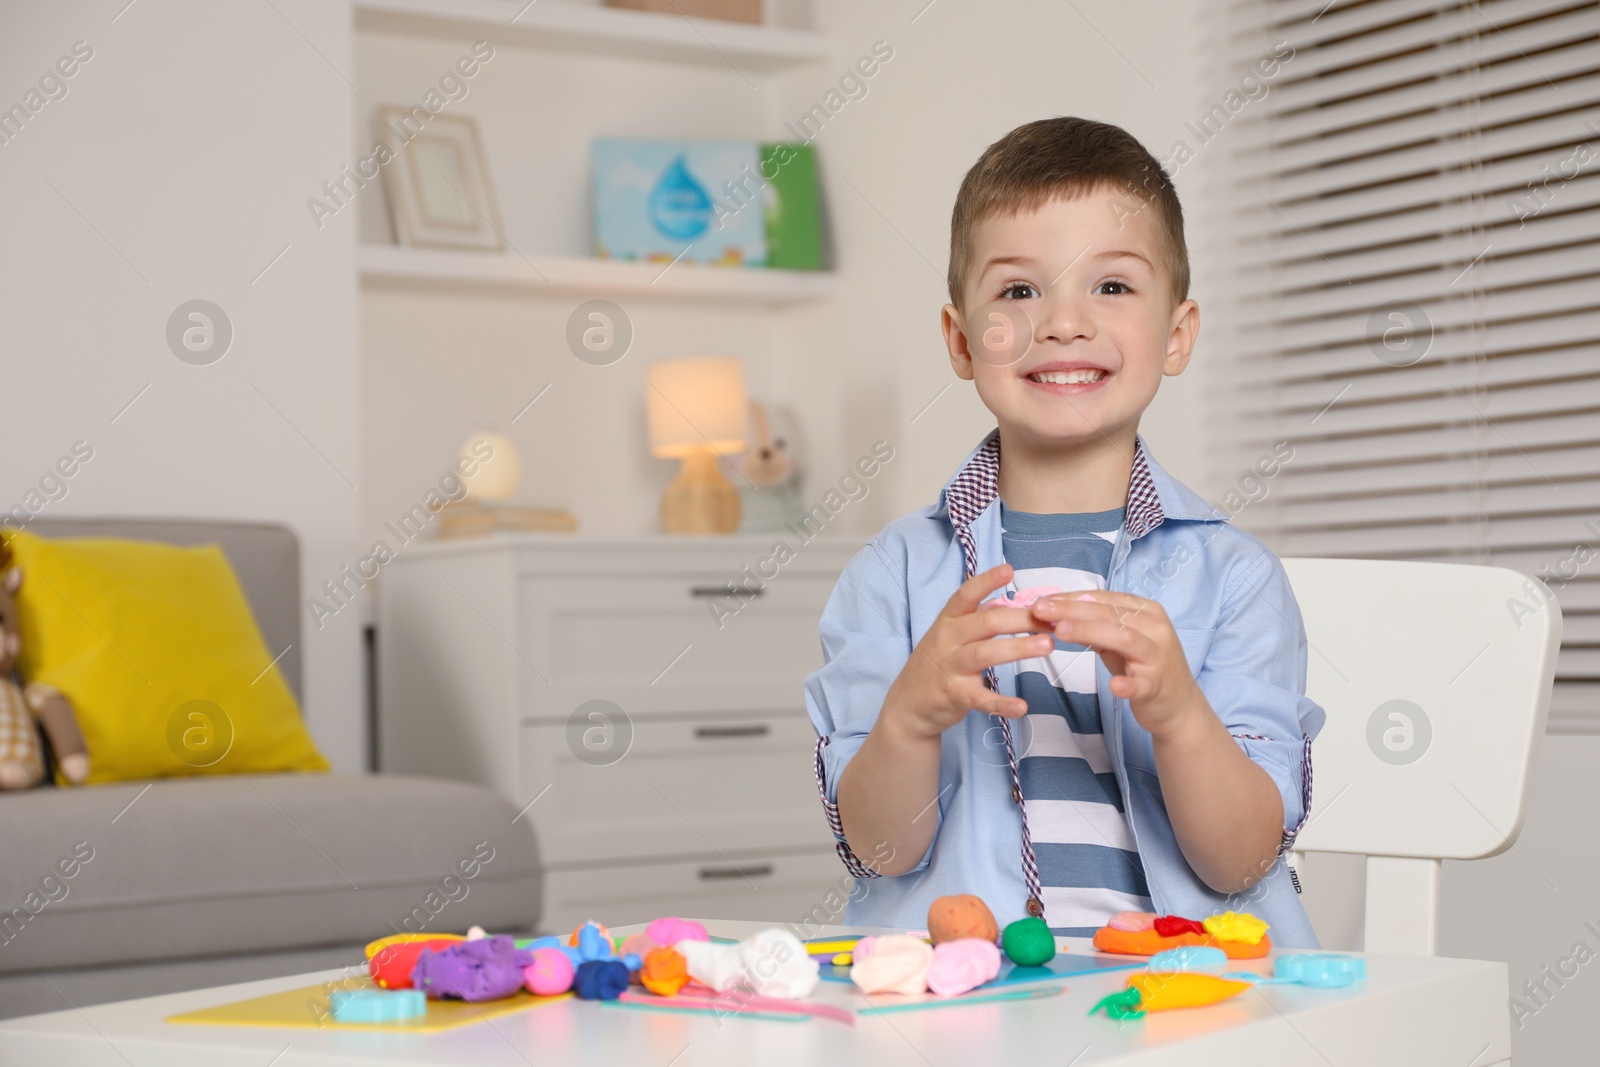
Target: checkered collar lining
[977, 484]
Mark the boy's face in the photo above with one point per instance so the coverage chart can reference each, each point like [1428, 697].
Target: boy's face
[1077, 282]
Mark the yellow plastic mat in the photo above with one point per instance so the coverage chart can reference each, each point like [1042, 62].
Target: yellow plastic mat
[307, 1009]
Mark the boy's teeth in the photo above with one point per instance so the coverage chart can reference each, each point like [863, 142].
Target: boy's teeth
[1068, 377]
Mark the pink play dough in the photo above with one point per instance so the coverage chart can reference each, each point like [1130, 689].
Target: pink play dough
[549, 973]
[1132, 921]
[668, 931]
[962, 965]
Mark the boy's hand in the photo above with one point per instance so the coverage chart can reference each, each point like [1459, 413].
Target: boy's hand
[943, 679]
[1138, 644]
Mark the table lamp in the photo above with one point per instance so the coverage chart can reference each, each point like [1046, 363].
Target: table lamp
[696, 408]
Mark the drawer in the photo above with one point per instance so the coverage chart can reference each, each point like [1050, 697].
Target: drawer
[658, 644]
[808, 888]
[682, 784]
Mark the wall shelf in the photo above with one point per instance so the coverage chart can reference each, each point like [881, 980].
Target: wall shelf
[598, 30]
[393, 266]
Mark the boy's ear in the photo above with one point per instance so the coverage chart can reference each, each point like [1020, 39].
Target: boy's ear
[955, 339]
[1180, 342]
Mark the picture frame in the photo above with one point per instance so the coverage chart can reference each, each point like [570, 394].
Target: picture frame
[436, 180]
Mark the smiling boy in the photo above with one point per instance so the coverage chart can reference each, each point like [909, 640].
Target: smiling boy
[1140, 741]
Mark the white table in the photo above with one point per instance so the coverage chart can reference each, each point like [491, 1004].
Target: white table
[1412, 1011]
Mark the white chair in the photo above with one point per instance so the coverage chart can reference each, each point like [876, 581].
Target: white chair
[1436, 684]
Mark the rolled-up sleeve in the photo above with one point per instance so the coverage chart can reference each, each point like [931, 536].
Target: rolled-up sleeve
[866, 641]
[1254, 677]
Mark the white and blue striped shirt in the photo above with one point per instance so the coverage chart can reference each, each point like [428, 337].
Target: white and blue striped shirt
[1089, 868]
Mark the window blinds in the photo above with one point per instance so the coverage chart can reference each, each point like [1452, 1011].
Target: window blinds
[1406, 215]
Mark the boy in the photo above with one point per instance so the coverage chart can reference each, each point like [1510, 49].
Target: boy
[1140, 742]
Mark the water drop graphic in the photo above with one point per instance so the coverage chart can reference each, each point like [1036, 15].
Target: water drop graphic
[678, 204]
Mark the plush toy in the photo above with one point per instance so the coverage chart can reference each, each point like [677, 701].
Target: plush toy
[21, 761]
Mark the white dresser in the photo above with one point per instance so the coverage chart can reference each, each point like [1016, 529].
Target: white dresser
[643, 696]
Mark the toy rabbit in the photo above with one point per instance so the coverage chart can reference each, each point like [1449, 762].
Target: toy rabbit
[21, 760]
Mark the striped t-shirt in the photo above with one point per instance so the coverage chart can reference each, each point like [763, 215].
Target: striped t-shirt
[1088, 867]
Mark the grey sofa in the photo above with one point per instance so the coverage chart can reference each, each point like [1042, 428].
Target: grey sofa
[187, 882]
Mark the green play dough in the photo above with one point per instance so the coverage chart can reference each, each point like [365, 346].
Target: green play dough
[1028, 942]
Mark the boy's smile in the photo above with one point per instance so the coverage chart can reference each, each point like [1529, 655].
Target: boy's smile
[1070, 321]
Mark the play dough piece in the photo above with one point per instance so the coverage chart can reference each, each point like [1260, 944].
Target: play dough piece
[636, 945]
[963, 915]
[712, 965]
[1022, 598]
[1235, 926]
[487, 969]
[551, 972]
[962, 965]
[391, 965]
[1132, 921]
[1028, 942]
[405, 939]
[1148, 943]
[668, 931]
[601, 980]
[1123, 1004]
[1159, 992]
[1173, 925]
[664, 971]
[376, 1005]
[592, 943]
[776, 964]
[577, 934]
[1189, 958]
[893, 963]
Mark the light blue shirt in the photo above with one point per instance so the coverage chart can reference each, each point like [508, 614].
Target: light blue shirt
[1229, 600]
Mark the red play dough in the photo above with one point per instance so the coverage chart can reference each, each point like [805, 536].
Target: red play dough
[1172, 926]
[1149, 942]
[391, 966]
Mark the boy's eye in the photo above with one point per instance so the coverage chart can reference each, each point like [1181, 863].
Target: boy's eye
[1010, 291]
[1122, 285]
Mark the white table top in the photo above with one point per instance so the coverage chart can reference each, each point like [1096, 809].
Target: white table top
[1412, 1011]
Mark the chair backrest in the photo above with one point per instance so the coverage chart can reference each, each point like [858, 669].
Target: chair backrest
[264, 556]
[1436, 679]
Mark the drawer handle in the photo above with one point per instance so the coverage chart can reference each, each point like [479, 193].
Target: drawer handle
[755, 729]
[726, 590]
[759, 870]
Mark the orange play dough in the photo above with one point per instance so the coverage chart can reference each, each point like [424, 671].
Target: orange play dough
[962, 915]
[1148, 943]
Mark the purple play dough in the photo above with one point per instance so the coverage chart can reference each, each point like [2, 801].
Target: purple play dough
[486, 969]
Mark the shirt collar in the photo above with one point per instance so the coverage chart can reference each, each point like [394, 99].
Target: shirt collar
[1153, 495]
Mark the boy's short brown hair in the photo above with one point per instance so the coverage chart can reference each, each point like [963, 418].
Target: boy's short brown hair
[1069, 157]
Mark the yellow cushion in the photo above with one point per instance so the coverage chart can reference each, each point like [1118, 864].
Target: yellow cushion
[155, 646]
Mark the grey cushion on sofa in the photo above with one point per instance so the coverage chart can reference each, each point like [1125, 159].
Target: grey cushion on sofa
[243, 863]
[247, 876]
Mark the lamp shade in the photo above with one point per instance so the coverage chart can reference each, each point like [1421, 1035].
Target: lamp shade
[696, 403]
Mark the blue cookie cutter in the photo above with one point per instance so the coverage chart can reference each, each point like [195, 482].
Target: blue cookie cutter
[377, 1005]
[1318, 970]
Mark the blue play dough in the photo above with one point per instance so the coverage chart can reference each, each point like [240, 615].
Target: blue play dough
[1202, 958]
[601, 980]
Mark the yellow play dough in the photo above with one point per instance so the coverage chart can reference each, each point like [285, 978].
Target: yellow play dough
[1235, 926]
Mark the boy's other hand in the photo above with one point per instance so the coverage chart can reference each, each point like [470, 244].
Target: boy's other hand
[943, 679]
[1139, 646]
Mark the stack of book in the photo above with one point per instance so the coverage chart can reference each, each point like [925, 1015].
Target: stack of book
[472, 518]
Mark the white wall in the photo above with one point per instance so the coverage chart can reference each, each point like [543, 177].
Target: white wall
[175, 168]
[857, 367]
